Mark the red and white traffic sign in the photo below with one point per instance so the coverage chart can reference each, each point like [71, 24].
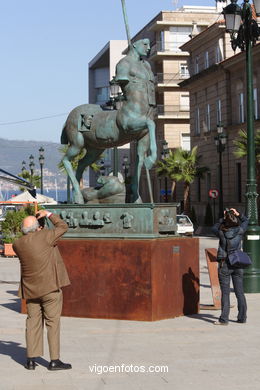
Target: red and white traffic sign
[213, 194]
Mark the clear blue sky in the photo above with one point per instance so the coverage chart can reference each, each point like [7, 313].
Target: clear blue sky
[45, 48]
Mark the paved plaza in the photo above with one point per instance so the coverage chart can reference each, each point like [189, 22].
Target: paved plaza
[196, 354]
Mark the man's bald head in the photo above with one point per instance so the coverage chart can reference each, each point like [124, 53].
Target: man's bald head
[30, 224]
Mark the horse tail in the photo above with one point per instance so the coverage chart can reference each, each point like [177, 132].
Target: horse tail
[64, 138]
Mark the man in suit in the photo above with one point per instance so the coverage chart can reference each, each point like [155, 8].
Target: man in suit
[43, 273]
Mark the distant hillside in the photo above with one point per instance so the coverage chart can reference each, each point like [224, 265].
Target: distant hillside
[12, 153]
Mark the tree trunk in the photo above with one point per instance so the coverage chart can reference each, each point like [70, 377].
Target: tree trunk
[173, 191]
[186, 198]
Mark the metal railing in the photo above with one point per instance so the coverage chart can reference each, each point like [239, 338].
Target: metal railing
[173, 110]
[159, 46]
[170, 78]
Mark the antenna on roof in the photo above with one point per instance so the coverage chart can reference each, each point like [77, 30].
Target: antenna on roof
[175, 3]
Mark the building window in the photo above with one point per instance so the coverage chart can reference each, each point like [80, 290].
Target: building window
[102, 95]
[241, 107]
[197, 121]
[162, 45]
[185, 141]
[238, 183]
[218, 111]
[178, 35]
[184, 70]
[197, 64]
[207, 112]
[185, 102]
[206, 59]
[219, 50]
[255, 103]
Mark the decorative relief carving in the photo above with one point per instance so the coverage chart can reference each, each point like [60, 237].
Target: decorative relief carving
[166, 223]
[107, 218]
[127, 220]
[85, 221]
[69, 219]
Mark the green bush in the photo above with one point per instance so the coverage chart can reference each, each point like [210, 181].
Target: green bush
[11, 227]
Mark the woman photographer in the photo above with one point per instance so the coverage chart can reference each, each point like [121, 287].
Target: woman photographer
[230, 230]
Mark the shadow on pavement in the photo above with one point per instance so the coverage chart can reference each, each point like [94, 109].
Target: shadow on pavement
[17, 352]
[15, 303]
[204, 317]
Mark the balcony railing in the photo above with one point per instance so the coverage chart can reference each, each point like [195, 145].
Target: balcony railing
[176, 111]
[171, 78]
[171, 47]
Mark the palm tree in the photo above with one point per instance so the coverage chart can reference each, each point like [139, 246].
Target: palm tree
[241, 151]
[34, 179]
[182, 166]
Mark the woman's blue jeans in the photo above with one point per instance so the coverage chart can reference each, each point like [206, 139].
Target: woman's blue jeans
[224, 275]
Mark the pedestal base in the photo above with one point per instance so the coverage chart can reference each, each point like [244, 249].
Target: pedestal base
[144, 280]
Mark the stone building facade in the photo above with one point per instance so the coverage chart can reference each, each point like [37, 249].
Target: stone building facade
[167, 32]
[217, 88]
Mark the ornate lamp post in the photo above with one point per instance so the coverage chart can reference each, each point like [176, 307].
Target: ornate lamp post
[220, 141]
[23, 166]
[41, 161]
[244, 32]
[164, 155]
[31, 165]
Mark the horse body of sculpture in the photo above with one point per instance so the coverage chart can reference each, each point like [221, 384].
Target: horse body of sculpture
[88, 126]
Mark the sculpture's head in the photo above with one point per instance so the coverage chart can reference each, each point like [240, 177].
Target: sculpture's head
[142, 47]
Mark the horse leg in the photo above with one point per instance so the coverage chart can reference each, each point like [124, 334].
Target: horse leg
[75, 147]
[142, 148]
[91, 156]
[150, 160]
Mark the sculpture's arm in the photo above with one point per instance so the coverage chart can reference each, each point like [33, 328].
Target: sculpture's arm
[122, 74]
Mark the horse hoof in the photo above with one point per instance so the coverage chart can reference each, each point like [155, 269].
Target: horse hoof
[78, 199]
[149, 162]
[138, 200]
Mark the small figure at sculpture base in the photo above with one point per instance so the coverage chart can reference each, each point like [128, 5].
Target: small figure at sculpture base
[111, 191]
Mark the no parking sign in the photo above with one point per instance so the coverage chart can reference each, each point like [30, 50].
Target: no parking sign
[213, 194]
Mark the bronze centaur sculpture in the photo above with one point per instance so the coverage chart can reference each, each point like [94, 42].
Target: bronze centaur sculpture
[106, 129]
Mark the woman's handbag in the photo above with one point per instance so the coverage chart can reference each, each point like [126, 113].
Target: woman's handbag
[239, 259]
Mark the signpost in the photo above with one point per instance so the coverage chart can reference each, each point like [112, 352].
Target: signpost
[213, 194]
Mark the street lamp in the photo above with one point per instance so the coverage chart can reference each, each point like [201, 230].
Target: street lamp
[23, 166]
[220, 141]
[41, 161]
[31, 165]
[164, 155]
[245, 38]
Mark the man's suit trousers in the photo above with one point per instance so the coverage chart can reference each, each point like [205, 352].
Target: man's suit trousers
[45, 309]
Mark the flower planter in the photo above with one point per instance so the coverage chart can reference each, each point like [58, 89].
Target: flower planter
[8, 250]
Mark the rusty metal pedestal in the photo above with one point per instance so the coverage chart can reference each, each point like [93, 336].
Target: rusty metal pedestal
[144, 280]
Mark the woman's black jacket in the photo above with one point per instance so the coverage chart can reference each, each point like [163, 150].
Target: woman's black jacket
[231, 238]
